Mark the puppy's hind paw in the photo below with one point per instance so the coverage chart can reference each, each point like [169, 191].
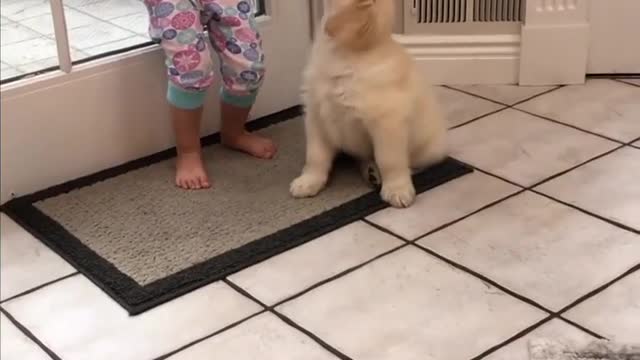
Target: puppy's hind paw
[399, 195]
[306, 186]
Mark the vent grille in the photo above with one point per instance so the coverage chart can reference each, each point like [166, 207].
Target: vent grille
[440, 11]
[497, 10]
[461, 11]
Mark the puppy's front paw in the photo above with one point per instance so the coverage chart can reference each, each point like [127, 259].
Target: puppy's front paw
[307, 186]
[399, 195]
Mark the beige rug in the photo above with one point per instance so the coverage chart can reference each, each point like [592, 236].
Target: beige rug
[144, 241]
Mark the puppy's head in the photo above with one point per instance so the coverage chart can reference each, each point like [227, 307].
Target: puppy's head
[359, 24]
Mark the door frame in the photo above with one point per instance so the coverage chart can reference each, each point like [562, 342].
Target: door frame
[60, 126]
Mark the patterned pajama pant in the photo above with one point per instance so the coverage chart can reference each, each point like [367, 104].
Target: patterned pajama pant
[187, 30]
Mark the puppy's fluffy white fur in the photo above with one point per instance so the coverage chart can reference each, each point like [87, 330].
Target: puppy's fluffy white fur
[364, 96]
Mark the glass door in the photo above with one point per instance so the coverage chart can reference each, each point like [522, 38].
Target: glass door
[83, 87]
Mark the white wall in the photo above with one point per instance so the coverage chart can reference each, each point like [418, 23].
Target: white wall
[614, 46]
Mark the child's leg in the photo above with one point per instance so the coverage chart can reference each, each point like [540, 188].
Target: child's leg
[190, 171]
[176, 25]
[235, 38]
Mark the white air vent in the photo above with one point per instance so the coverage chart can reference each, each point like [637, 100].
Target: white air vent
[454, 16]
[456, 11]
[440, 11]
[498, 10]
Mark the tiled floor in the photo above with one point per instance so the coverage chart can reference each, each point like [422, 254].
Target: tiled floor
[94, 27]
[543, 240]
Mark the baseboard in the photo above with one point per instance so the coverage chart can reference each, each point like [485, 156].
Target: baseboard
[466, 59]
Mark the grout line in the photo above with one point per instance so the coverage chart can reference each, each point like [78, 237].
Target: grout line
[622, 80]
[587, 212]
[207, 337]
[538, 95]
[311, 335]
[485, 207]
[564, 172]
[478, 118]
[598, 290]
[568, 125]
[531, 329]
[501, 103]
[385, 230]
[580, 327]
[108, 21]
[514, 107]
[246, 294]
[484, 279]
[101, 20]
[287, 320]
[514, 338]
[41, 286]
[29, 335]
[450, 87]
[51, 36]
[339, 275]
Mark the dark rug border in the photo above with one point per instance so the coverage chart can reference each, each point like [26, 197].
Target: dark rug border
[136, 298]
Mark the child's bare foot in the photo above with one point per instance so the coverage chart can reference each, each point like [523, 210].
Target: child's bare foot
[252, 144]
[190, 172]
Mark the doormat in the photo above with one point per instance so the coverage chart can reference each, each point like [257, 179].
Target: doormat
[145, 242]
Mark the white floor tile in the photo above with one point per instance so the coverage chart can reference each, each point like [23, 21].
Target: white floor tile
[108, 9]
[538, 248]
[28, 51]
[608, 187]
[459, 108]
[264, 337]
[17, 10]
[9, 72]
[115, 45]
[78, 321]
[523, 148]
[602, 106]
[614, 313]
[44, 23]
[98, 33]
[408, 305]
[138, 23]
[506, 94]
[555, 329]
[13, 32]
[14, 345]
[39, 65]
[3, 20]
[443, 204]
[25, 262]
[293, 271]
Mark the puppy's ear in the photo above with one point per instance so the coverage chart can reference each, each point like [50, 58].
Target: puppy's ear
[354, 26]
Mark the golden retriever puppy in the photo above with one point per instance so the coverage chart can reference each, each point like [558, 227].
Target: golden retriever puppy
[364, 96]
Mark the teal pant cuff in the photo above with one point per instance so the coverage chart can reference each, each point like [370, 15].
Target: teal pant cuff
[183, 99]
[242, 101]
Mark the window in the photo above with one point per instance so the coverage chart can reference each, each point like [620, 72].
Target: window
[95, 28]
